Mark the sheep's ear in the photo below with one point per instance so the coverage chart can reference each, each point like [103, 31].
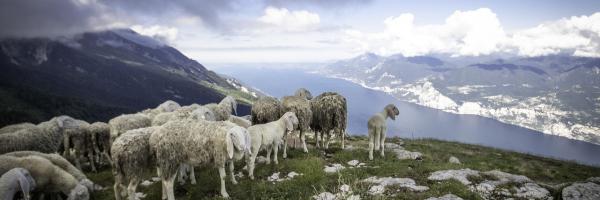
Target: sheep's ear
[289, 123]
[229, 144]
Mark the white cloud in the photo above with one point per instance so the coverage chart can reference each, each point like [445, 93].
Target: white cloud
[162, 33]
[290, 21]
[479, 32]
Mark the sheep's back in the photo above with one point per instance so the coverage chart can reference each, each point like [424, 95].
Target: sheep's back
[301, 107]
[266, 109]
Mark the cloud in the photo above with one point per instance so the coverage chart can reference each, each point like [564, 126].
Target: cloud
[164, 34]
[322, 3]
[479, 32]
[290, 21]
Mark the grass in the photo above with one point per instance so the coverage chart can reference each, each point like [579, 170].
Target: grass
[314, 180]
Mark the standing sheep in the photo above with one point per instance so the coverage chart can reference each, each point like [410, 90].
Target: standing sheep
[132, 159]
[301, 107]
[378, 128]
[197, 143]
[14, 181]
[123, 123]
[226, 107]
[269, 136]
[100, 132]
[48, 177]
[329, 115]
[265, 110]
[46, 137]
[16, 127]
[77, 136]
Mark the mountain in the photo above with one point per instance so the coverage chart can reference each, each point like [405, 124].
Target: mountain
[558, 95]
[97, 75]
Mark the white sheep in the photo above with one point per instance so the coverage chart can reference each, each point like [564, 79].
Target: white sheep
[222, 110]
[45, 137]
[378, 128]
[15, 127]
[14, 181]
[123, 123]
[132, 160]
[197, 143]
[193, 111]
[240, 121]
[48, 177]
[77, 136]
[269, 136]
[167, 106]
[100, 140]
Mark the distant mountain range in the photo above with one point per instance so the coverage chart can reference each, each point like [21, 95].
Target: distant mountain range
[558, 95]
[95, 76]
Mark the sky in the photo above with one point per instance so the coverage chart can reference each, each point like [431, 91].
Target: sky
[293, 31]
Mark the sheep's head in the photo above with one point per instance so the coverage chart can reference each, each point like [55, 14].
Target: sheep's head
[304, 93]
[79, 192]
[237, 139]
[168, 106]
[290, 120]
[203, 113]
[392, 111]
[25, 181]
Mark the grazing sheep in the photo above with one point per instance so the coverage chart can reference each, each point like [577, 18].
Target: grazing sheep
[304, 93]
[269, 136]
[48, 177]
[378, 128]
[46, 137]
[265, 110]
[100, 132]
[132, 159]
[222, 110]
[14, 181]
[16, 127]
[59, 161]
[329, 115]
[301, 107]
[197, 143]
[77, 136]
[240, 121]
[123, 123]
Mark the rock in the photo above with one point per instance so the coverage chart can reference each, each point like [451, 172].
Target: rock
[146, 183]
[383, 182]
[581, 191]
[345, 189]
[454, 160]
[325, 196]
[402, 154]
[459, 175]
[393, 146]
[594, 179]
[156, 179]
[333, 168]
[353, 162]
[293, 174]
[445, 197]
[274, 177]
[531, 191]
[139, 195]
[353, 197]
[504, 177]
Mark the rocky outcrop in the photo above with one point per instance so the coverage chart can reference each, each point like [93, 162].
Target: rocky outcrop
[581, 191]
[383, 182]
[445, 197]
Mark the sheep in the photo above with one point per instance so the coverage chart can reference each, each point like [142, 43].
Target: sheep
[197, 143]
[167, 106]
[265, 110]
[123, 123]
[377, 128]
[202, 113]
[329, 115]
[48, 177]
[78, 136]
[62, 163]
[194, 111]
[301, 107]
[222, 110]
[16, 127]
[269, 136]
[132, 159]
[100, 132]
[14, 181]
[46, 137]
[240, 121]
[304, 93]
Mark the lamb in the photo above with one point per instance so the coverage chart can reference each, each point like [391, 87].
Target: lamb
[16, 127]
[61, 162]
[46, 137]
[240, 121]
[100, 132]
[123, 123]
[14, 181]
[48, 177]
[197, 143]
[329, 115]
[301, 107]
[132, 159]
[265, 110]
[222, 110]
[378, 128]
[269, 136]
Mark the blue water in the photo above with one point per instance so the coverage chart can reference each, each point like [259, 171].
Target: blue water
[417, 121]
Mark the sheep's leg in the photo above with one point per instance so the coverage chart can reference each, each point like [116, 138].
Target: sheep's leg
[326, 139]
[77, 160]
[192, 175]
[377, 134]
[317, 139]
[169, 186]
[91, 158]
[275, 150]
[105, 153]
[131, 188]
[269, 150]
[303, 138]
[343, 133]
[232, 172]
[285, 147]
[66, 147]
[222, 177]
[251, 162]
[371, 145]
[382, 143]
[162, 183]
[117, 187]
[181, 173]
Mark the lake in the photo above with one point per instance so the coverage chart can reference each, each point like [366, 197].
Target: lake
[416, 121]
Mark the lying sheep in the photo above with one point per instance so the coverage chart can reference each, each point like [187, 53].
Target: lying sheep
[100, 132]
[16, 127]
[45, 137]
[197, 143]
[269, 136]
[240, 121]
[123, 123]
[378, 128]
[222, 110]
[14, 181]
[61, 162]
[132, 160]
[265, 110]
[48, 177]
